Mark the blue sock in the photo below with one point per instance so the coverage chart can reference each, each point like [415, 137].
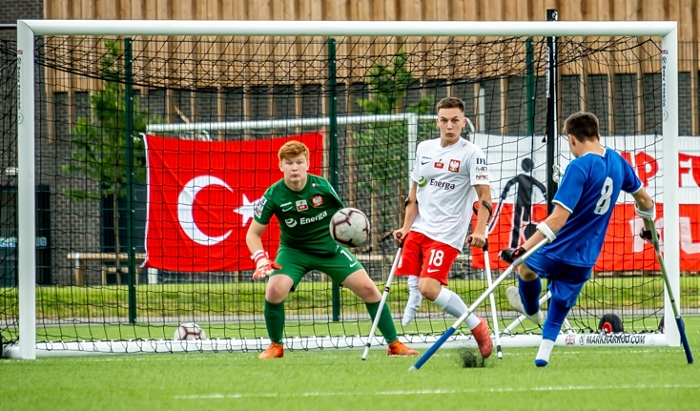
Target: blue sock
[556, 314]
[530, 294]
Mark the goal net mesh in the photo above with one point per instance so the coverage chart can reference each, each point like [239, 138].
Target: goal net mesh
[215, 90]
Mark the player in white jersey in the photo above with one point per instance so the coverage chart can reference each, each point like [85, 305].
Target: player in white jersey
[449, 175]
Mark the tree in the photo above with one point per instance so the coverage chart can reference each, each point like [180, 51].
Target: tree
[99, 142]
[381, 149]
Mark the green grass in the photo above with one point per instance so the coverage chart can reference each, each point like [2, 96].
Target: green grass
[172, 300]
[578, 378]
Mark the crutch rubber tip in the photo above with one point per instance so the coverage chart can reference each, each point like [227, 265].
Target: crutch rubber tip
[413, 368]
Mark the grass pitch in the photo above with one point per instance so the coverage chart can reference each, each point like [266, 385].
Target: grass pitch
[577, 378]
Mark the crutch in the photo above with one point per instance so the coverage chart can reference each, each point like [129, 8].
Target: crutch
[387, 287]
[676, 310]
[487, 268]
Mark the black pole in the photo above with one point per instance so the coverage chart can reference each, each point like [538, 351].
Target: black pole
[530, 70]
[551, 93]
[129, 133]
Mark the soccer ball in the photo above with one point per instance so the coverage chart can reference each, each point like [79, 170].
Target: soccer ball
[349, 227]
[189, 331]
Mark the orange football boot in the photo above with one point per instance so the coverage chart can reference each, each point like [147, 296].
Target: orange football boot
[397, 348]
[483, 338]
[275, 350]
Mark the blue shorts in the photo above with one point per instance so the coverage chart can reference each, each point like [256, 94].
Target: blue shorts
[565, 281]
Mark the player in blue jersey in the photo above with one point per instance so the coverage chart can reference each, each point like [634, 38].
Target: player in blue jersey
[576, 228]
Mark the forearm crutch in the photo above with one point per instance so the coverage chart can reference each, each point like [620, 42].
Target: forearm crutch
[385, 294]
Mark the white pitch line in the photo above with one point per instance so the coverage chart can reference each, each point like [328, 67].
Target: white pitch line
[436, 392]
[237, 356]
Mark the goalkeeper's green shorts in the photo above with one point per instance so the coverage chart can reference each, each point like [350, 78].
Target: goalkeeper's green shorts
[295, 264]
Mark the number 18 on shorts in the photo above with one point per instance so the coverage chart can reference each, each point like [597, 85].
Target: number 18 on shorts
[427, 257]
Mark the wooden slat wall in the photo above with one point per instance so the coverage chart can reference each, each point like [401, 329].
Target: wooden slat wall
[683, 11]
[686, 12]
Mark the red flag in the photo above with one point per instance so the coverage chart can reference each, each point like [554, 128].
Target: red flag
[201, 197]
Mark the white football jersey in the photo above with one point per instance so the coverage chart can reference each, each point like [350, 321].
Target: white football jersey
[445, 178]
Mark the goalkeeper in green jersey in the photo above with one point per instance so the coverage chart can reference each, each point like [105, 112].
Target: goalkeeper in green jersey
[304, 204]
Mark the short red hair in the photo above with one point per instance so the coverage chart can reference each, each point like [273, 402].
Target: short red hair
[292, 149]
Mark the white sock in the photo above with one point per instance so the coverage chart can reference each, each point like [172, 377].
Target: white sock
[454, 306]
[545, 349]
[414, 300]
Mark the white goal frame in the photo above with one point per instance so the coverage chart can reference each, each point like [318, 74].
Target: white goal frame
[27, 30]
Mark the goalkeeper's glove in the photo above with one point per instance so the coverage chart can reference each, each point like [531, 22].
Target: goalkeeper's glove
[511, 254]
[263, 265]
[646, 235]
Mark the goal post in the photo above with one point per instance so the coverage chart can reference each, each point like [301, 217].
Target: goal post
[33, 34]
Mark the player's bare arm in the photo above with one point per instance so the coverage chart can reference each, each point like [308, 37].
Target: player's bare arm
[477, 238]
[645, 205]
[411, 213]
[555, 222]
[546, 229]
[253, 239]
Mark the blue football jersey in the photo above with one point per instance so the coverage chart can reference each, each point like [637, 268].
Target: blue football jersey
[589, 189]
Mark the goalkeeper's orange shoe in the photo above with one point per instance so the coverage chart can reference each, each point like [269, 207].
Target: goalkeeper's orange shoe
[275, 350]
[483, 338]
[397, 348]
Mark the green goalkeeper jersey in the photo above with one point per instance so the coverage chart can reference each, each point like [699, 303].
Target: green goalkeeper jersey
[304, 216]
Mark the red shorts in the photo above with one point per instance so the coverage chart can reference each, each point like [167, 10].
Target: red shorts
[427, 257]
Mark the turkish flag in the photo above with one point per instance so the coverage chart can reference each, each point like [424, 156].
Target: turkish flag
[202, 195]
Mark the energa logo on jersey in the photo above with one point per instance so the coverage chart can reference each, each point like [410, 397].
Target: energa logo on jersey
[291, 222]
[442, 184]
[422, 182]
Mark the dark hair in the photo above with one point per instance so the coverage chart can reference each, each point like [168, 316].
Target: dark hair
[583, 126]
[451, 102]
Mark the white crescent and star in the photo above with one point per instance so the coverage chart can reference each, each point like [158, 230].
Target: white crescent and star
[185, 203]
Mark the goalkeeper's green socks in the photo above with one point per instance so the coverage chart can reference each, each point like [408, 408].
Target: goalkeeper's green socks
[386, 324]
[274, 321]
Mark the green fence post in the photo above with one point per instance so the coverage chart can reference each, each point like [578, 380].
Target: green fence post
[333, 147]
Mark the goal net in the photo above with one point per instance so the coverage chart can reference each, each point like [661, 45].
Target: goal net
[119, 127]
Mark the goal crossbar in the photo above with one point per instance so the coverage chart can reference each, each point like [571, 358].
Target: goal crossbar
[346, 28]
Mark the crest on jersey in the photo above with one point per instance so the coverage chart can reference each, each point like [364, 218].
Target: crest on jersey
[439, 164]
[259, 207]
[316, 201]
[454, 166]
[302, 205]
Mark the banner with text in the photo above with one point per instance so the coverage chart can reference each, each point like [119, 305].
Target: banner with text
[517, 174]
